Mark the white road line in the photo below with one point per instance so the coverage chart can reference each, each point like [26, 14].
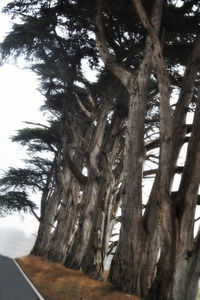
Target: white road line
[30, 283]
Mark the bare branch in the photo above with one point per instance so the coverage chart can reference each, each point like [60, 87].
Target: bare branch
[178, 170]
[150, 172]
[152, 145]
[156, 143]
[37, 124]
[75, 170]
[90, 98]
[84, 109]
[34, 213]
[111, 247]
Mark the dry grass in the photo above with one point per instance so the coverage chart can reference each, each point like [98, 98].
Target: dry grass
[55, 282]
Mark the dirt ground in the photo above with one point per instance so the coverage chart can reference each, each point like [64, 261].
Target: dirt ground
[55, 282]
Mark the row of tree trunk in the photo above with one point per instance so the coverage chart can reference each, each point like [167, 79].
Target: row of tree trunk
[79, 214]
[99, 171]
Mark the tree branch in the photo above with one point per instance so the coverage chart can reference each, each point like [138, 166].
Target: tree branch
[178, 170]
[37, 124]
[123, 75]
[83, 108]
[75, 170]
[156, 143]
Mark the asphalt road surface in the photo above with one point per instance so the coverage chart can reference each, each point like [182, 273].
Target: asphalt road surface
[13, 285]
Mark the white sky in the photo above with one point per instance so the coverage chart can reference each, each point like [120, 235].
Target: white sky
[19, 101]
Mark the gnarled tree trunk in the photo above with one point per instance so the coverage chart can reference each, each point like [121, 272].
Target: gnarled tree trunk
[93, 261]
[133, 250]
[90, 196]
[46, 224]
[66, 220]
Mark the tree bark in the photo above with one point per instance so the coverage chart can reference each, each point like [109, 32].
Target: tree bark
[94, 258]
[75, 256]
[167, 213]
[186, 255]
[134, 250]
[89, 203]
[66, 220]
[46, 225]
[125, 270]
[175, 266]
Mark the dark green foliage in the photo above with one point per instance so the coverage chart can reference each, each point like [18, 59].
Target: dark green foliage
[15, 201]
[26, 35]
[42, 165]
[21, 179]
[37, 139]
[17, 183]
[59, 34]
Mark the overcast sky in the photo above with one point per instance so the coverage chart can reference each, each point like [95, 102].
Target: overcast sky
[19, 101]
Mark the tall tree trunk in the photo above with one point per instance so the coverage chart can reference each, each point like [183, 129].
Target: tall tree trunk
[173, 280]
[125, 270]
[185, 283]
[75, 256]
[130, 255]
[46, 224]
[170, 232]
[93, 261]
[108, 204]
[165, 210]
[90, 195]
[186, 200]
[135, 249]
[66, 220]
[151, 215]
[68, 212]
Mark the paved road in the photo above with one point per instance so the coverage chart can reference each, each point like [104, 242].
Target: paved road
[13, 285]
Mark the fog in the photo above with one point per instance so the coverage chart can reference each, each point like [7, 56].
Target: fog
[15, 242]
